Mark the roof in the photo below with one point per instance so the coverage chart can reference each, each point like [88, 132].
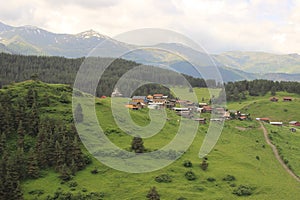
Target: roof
[287, 98]
[293, 122]
[139, 97]
[207, 107]
[264, 119]
[134, 103]
[158, 95]
[200, 119]
[276, 123]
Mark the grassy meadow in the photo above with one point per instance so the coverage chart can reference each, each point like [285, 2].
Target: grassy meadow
[241, 152]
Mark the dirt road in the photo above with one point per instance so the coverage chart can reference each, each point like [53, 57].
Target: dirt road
[277, 154]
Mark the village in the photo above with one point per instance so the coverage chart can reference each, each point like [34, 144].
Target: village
[188, 109]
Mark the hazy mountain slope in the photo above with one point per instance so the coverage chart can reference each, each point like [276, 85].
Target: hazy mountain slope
[260, 62]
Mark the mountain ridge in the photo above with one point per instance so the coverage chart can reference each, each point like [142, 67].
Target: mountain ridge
[233, 65]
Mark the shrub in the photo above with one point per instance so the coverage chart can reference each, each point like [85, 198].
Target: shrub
[204, 165]
[153, 194]
[73, 184]
[229, 178]
[243, 190]
[211, 179]
[257, 158]
[163, 178]
[182, 198]
[187, 163]
[190, 176]
[95, 171]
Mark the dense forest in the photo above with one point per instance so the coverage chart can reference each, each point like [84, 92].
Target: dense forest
[31, 141]
[17, 68]
[236, 91]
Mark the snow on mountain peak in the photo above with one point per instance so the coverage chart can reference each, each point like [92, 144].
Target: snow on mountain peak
[90, 33]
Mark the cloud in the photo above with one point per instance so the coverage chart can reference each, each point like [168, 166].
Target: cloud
[220, 25]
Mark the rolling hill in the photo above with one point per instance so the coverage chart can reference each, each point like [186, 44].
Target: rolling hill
[233, 164]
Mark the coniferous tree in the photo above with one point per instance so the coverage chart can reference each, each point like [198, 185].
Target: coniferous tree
[32, 165]
[78, 114]
[2, 143]
[21, 135]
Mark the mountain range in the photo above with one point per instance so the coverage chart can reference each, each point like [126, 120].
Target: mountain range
[233, 66]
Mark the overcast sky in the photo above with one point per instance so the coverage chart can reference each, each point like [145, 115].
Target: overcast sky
[219, 25]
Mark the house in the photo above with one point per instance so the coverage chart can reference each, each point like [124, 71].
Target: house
[140, 99]
[207, 109]
[158, 96]
[149, 97]
[116, 93]
[274, 99]
[159, 101]
[201, 104]
[264, 119]
[180, 109]
[294, 123]
[134, 105]
[201, 120]
[287, 98]
[170, 104]
[276, 123]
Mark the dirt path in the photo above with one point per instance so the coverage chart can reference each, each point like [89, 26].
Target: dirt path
[277, 154]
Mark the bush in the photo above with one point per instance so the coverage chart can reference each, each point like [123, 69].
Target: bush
[257, 158]
[153, 194]
[73, 184]
[229, 178]
[190, 176]
[95, 171]
[163, 178]
[187, 163]
[182, 198]
[211, 179]
[204, 165]
[243, 190]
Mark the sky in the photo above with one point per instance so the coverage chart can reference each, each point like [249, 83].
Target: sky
[217, 25]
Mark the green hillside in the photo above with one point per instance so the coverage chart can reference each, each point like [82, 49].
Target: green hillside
[241, 152]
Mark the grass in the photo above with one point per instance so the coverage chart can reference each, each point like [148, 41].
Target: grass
[235, 154]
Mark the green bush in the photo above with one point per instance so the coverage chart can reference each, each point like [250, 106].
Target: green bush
[163, 178]
[189, 175]
[229, 178]
[243, 190]
[187, 163]
[211, 179]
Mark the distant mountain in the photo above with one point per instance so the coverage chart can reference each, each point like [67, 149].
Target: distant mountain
[233, 66]
[260, 62]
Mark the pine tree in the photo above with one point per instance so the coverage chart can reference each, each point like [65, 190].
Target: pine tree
[59, 155]
[32, 165]
[78, 114]
[2, 143]
[21, 135]
[153, 194]
[77, 154]
[20, 163]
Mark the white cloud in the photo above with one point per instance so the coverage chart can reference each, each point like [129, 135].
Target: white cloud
[220, 25]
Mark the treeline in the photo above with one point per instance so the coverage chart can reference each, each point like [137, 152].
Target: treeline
[236, 91]
[30, 143]
[17, 68]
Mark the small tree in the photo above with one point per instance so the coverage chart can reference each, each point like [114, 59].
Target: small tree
[78, 114]
[137, 145]
[153, 194]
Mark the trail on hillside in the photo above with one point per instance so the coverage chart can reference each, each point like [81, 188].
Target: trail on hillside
[277, 156]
